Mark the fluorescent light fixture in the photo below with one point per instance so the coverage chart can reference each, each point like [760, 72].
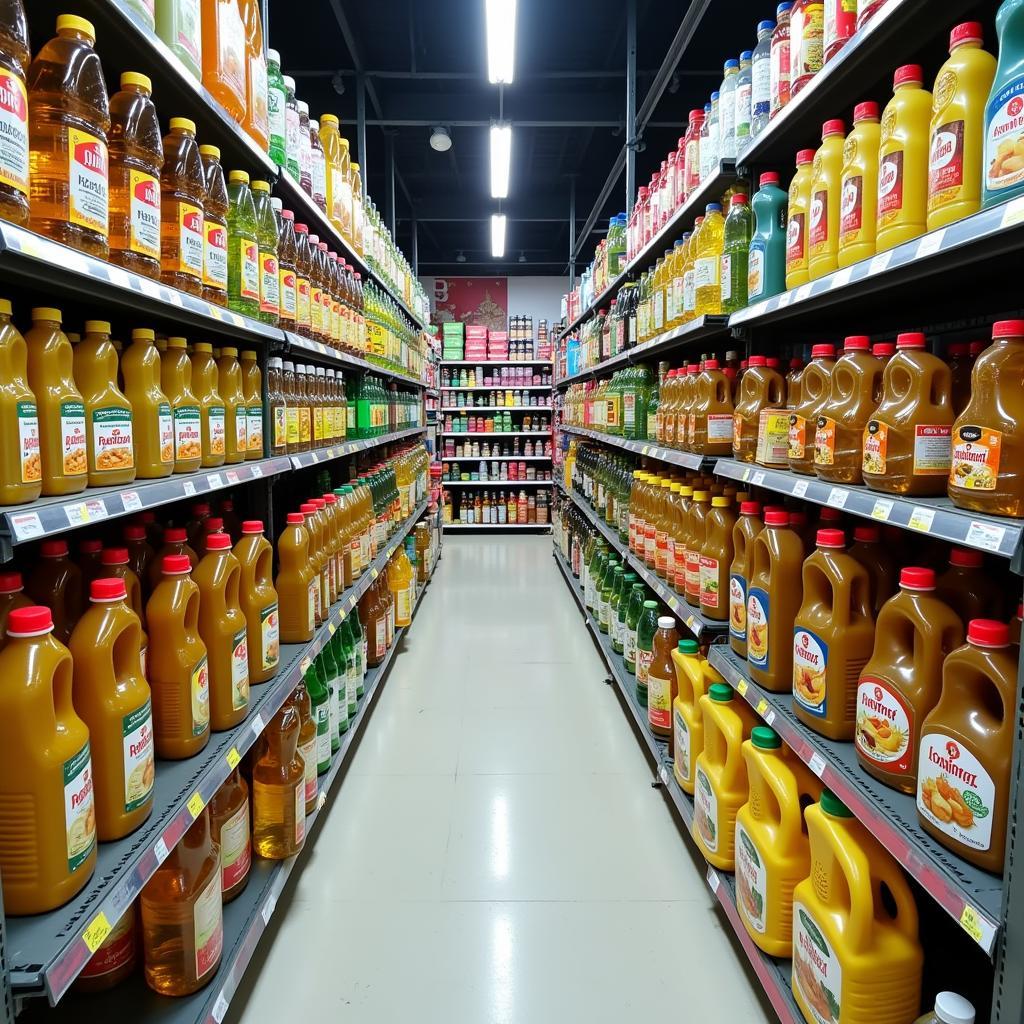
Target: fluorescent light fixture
[440, 139]
[501, 159]
[498, 225]
[501, 41]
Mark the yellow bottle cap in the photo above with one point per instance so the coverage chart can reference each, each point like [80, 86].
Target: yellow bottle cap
[135, 78]
[721, 502]
[686, 490]
[248, 355]
[176, 343]
[701, 495]
[667, 482]
[203, 346]
[241, 177]
[47, 313]
[355, 166]
[5, 307]
[211, 151]
[75, 24]
[183, 124]
[329, 119]
[229, 350]
[143, 334]
[97, 326]
[260, 186]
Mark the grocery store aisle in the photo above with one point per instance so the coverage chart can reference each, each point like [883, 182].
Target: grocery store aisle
[496, 853]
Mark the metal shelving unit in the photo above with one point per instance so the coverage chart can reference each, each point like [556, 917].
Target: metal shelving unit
[496, 408]
[496, 362]
[314, 458]
[496, 483]
[495, 433]
[494, 387]
[496, 458]
[544, 527]
[296, 344]
[688, 460]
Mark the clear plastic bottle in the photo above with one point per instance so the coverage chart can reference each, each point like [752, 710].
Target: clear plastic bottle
[14, 161]
[707, 265]
[256, 122]
[287, 271]
[737, 233]
[224, 55]
[305, 149]
[761, 79]
[179, 25]
[950, 1008]
[780, 82]
[279, 788]
[269, 271]
[243, 248]
[711, 156]
[182, 198]
[318, 166]
[744, 101]
[727, 111]
[215, 228]
[277, 122]
[291, 114]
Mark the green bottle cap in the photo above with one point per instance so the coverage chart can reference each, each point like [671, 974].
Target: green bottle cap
[688, 647]
[631, 577]
[720, 692]
[638, 586]
[765, 738]
[650, 604]
[831, 804]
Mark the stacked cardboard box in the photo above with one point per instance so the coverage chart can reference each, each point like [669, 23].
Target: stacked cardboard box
[476, 342]
[452, 341]
[497, 345]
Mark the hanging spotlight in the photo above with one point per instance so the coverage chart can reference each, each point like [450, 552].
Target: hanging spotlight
[501, 41]
[501, 159]
[498, 226]
[440, 139]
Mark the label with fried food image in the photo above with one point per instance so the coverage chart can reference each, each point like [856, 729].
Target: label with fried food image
[817, 973]
[810, 664]
[885, 725]
[976, 453]
[73, 439]
[954, 791]
[28, 443]
[79, 810]
[112, 445]
[139, 769]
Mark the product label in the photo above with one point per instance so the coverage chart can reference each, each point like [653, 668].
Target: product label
[629, 648]
[235, 848]
[218, 430]
[254, 428]
[976, 453]
[292, 424]
[289, 302]
[720, 428]
[73, 439]
[313, 601]
[381, 638]
[706, 272]
[773, 438]
[208, 920]
[806, 48]
[302, 311]
[682, 757]
[276, 117]
[955, 791]
[659, 701]
[738, 606]
[28, 442]
[79, 813]
[137, 745]
[281, 426]
[725, 276]
[851, 207]
[87, 181]
[165, 426]
[403, 611]
[933, 449]
[797, 436]
[215, 255]
[305, 425]
[144, 214]
[187, 439]
[693, 572]
[757, 628]
[112, 438]
[885, 725]
[819, 221]
[249, 270]
[755, 272]
[200, 690]
[945, 163]
[876, 446]
[643, 665]
[323, 734]
[796, 241]
[751, 881]
[705, 810]
[270, 284]
[241, 428]
[308, 753]
[890, 187]
[191, 240]
[779, 83]
[1004, 137]
[810, 664]
[825, 442]
[708, 581]
[14, 170]
[300, 810]
[239, 671]
[817, 972]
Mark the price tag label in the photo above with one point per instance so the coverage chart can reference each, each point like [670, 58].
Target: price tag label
[881, 509]
[257, 471]
[96, 932]
[979, 929]
[713, 880]
[214, 480]
[741, 687]
[321, 800]
[879, 262]
[817, 764]
[174, 298]
[160, 851]
[189, 488]
[769, 716]
[762, 707]
[800, 488]
[985, 536]
[758, 479]
[150, 289]
[257, 724]
[96, 509]
[268, 908]
[802, 292]
[330, 628]
[931, 243]
[233, 757]
[374, 574]
[77, 514]
[131, 501]
[118, 276]
[1013, 213]
[316, 457]
[26, 525]
[841, 278]
[673, 604]
[646, 448]
[195, 805]
[837, 497]
[232, 476]
[220, 1008]
[921, 519]
[304, 665]
[691, 622]
[746, 474]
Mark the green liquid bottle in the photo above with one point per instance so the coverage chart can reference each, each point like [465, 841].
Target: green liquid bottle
[613, 608]
[243, 248]
[341, 661]
[346, 654]
[276, 99]
[595, 573]
[607, 580]
[359, 645]
[634, 609]
[320, 708]
[645, 630]
[329, 667]
[739, 227]
[269, 269]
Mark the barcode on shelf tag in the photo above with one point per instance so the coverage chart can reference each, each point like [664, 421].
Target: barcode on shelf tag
[802, 292]
[880, 262]
[233, 757]
[837, 497]
[881, 509]
[257, 724]
[713, 880]
[220, 1008]
[131, 501]
[160, 850]
[800, 488]
[268, 908]
[985, 536]
[232, 476]
[188, 487]
[841, 278]
[741, 687]
[758, 479]
[26, 525]
[931, 243]
[921, 519]
[97, 930]
[1013, 213]
[257, 470]
[195, 804]
[762, 707]
[77, 514]
[214, 480]
[817, 764]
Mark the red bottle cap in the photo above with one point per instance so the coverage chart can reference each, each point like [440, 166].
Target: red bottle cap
[823, 351]
[227, 505]
[833, 126]
[1008, 329]
[958, 348]
[797, 519]
[710, 364]
[913, 340]
[90, 547]
[866, 111]
[966, 557]
[750, 508]
[295, 519]
[302, 229]
[307, 508]
[214, 524]
[804, 156]
[883, 348]
[53, 548]
[287, 215]
[32, 621]
[252, 526]
[757, 361]
[976, 348]
[318, 502]
[147, 517]
[908, 73]
[107, 590]
[983, 632]
[135, 532]
[831, 515]
[916, 578]
[772, 363]
[830, 539]
[738, 199]
[968, 32]
[867, 534]
[330, 499]
[769, 178]
[175, 565]
[776, 519]
[796, 363]
[201, 508]
[11, 582]
[693, 368]
[175, 535]
[218, 542]
[114, 556]
[856, 343]
[696, 115]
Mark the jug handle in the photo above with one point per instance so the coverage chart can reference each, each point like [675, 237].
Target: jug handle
[791, 814]
[777, 392]
[854, 865]
[63, 686]
[906, 918]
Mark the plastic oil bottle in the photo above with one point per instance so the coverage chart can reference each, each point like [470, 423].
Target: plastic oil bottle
[236, 415]
[707, 263]
[736, 235]
[257, 118]
[279, 788]
[252, 395]
[224, 55]
[859, 187]
[694, 676]
[230, 823]
[152, 421]
[182, 193]
[136, 160]
[306, 746]
[766, 263]
[179, 25]
[269, 270]
[798, 216]
[21, 472]
[69, 117]
[212, 414]
[215, 227]
[297, 582]
[1004, 144]
[176, 382]
[14, 162]
[826, 183]
[243, 248]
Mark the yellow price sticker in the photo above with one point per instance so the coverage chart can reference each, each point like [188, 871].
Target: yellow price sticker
[762, 706]
[331, 628]
[673, 603]
[741, 687]
[746, 474]
[646, 449]
[970, 921]
[233, 758]
[374, 574]
[195, 805]
[690, 620]
[98, 930]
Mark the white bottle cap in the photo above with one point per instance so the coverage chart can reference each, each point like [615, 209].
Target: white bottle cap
[274, 56]
[953, 1009]
[666, 622]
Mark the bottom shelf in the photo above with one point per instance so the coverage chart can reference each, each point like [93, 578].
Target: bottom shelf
[773, 974]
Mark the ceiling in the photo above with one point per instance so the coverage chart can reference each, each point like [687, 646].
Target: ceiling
[425, 65]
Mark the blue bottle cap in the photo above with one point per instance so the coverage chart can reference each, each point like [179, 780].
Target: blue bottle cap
[783, 8]
[765, 26]
[731, 63]
[713, 208]
[715, 95]
[746, 55]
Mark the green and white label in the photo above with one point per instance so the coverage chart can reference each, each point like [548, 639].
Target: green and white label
[79, 814]
[137, 738]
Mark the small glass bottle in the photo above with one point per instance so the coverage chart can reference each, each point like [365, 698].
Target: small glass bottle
[279, 788]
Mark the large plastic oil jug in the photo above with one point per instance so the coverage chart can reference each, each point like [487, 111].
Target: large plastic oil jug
[175, 543]
[176, 381]
[968, 588]
[696, 534]
[694, 676]
[716, 558]
[179, 25]
[224, 55]
[48, 856]
[720, 774]
[902, 680]
[230, 823]
[215, 227]
[965, 764]
[12, 595]
[297, 583]
[21, 471]
[140, 554]
[136, 159]
[182, 194]
[832, 637]
[826, 191]
[223, 630]
[257, 117]
[856, 956]
[112, 697]
[178, 671]
[815, 390]
[252, 395]
[748, 526]
[773, 601]
[182, 914]
[988, 436]
[14, 161]
[259, 603]
[661, 677]
[1004, 140]
[110, 448]
[762, 387]
[772, 851]
[712, 412]
[212, 412]
[56, 582]
[902, 210]
[859, 187]
[279, 788]
[797, 218]
[152, 419]
[908, 440]
[114, 565]
[856, 389]
[69, 117]
[62, 434]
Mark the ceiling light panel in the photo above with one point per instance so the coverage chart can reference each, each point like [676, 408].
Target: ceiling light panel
[501, 41]
[501, 159]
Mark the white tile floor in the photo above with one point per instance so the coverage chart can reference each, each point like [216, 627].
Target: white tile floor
[496, 852]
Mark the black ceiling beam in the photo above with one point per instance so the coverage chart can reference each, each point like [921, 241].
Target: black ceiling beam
[457, 208]
[473, 76]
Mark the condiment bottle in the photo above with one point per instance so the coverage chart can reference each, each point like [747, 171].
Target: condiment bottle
[661, 677]
[779, 77]
[259, 602]
[57, 583]
[297, 582]
[815, 390]
[766, 271]
[833, 632]
[14, 164]
[230, 825]
[178, 669]
[278, 406]
[971, 591]
[279, 788]
[182, 195]
[21, 471]
[716, 558]
[797, 223]
[694, 675]
[114, 565]
[826, 201]
[806, 46]
[215, 227]
[46, 764]
[152, 419]
[868, 549]
[303, 288]
[1004, 175]
[712, 412]
[140, 554]
[212, 412]
[695, 538]
[762, 387]
[840, 24]
[859, 187]
[236, 411]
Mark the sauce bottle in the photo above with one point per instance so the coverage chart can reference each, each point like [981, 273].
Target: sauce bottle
[47, 765]
[111, 695]
[269, 270]
[854, 957]
[62, 435]
[230, 827]
[967, 588]
[987, 435]
[178, 671]
[69, 117]
[772, 853]
[761, 388]
[695, 537]
[182, 195]
[21, 471]
[258, 601]
[902, 211]
[279, 788]
[252, 395]
[175, 543]
[1004, 148]
[661, 677]
[747, 527]
[57, 583]
[859, 187]
[297, 582]
[826, 193]
[175, 380]
[797, 218]
[772, 602]
[229, 387]
[224, 55]
[291, 397]
[720, 774]
[306, 746]
[815, 390]
[840, 24]
[855, 392]
[694, 675]
[833, 632]
[243, 247]
[182, 914]
[902, 680]
[806, 43]
[716, 558]
[14, 163]
[110, 450]
[212, 412]
[907, 442]
[152, 419]
[287, 256]
[215, 227]
[957, 129]
[136, 160]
